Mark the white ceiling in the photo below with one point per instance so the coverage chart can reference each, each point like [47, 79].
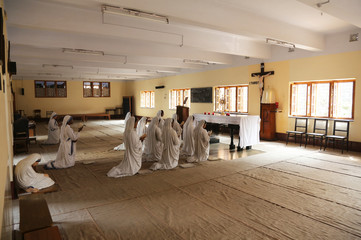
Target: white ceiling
[220, 32]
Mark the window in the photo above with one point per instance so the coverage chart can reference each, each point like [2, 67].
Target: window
[50, 89]
[177, 98]
[231, 99]
[147, 99]
[96, 89]
[330, 99]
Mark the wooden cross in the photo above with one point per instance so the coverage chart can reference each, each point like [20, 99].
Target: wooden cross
[261, 75]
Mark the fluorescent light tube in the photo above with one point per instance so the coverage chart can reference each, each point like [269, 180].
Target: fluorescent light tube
[134, 13]
[82, 51]
[57, 66]
[280, 43]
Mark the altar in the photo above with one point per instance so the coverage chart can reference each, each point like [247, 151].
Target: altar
[249, 127]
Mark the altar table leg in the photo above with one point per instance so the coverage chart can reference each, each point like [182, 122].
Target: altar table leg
[231, 146]
[239, 147]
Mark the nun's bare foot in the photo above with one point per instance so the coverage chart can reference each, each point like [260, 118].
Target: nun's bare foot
[32, 190]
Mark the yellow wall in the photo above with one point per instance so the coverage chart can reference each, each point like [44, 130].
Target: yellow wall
[72, 104]
[6, 155]
[344, 65]
[213, 78]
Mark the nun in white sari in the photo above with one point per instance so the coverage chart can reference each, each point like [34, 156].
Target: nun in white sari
[153, 143]
[121, 147]
[160, 115]
[141, 126]
[67, 149]
[27, 178]
[132, 161]
[201, 146]
[188, 139]
[53, 130]
[170, 155]
[176, 126]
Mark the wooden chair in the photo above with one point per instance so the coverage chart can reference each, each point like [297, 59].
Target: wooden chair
[37, 114]
[301, 125]
[21, 134]
[319, 131]
[340, 127]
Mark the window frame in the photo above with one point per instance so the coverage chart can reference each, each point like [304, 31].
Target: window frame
[55, 87]
[151, 97]
[236, 97]
[92, 91]
[331, 98]
[177, 90]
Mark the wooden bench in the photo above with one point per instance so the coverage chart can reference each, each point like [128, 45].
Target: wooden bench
[87, 115]
[74, 116]
[84, 117]
[35, 219]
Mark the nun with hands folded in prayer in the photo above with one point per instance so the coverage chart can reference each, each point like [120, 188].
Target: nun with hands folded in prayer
[53, 130]
[122, 146]
[201, 143]
[132, 161]
[160, 115]
[26, 176]
[188, 139]
[170, 155]
[153, 143]
[67, 149]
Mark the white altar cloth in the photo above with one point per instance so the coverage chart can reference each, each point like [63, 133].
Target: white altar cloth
[249, 126]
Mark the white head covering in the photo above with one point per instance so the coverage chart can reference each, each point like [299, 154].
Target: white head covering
[159, 113]
[129, 127]
[66, 120]
[153, 142]
[167, 132]
[132, 161]
[53, 115]
[170, 154]
[127, 117]
[188, 137]
[26, 175]
[201, 140]
[141, 126]
[176, 125]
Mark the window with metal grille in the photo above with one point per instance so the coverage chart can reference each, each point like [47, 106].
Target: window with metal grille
[50, 89]
[96, 89]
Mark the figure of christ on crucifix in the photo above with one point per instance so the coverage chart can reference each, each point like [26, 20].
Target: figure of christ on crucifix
[261, 76]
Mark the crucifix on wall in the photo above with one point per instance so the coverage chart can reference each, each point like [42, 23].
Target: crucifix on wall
[261, 76]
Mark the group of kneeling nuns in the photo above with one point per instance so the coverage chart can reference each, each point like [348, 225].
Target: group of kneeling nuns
[160, 143]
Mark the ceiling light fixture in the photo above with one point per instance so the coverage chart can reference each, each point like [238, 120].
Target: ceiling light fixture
[134, 13]
[50, 74]
[280, 43]
[82, 51]
[322, 3]
[354, 37]
[57, 66]
[199, 62]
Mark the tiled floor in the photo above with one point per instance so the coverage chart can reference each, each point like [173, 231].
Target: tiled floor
[273, 191]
